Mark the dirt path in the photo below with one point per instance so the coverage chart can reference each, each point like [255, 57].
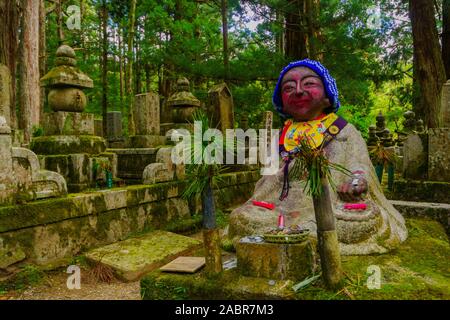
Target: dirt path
[54, 287]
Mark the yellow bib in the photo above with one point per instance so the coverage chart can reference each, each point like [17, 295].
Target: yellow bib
[313, 131]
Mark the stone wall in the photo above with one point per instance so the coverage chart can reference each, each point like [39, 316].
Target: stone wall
[47, 231]
[418, 190]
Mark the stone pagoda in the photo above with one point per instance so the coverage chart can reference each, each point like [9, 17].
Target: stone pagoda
[68, 144]
[183, 105]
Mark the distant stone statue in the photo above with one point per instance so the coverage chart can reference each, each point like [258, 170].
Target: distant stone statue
[409, 124]
[306, 96]
[373, 139]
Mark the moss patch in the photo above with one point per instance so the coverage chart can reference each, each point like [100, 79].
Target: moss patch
[57, 145]
[134, 257]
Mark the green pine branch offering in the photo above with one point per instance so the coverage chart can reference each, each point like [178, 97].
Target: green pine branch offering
[312, 165]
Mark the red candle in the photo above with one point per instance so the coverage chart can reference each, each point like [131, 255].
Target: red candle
[355, 206]
[264, 204]
[280, 221]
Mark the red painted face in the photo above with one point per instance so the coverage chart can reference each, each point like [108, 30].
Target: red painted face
[303, 94]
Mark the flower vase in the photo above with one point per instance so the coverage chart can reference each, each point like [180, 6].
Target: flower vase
[379, 170]
[390, 172]
[109, 179]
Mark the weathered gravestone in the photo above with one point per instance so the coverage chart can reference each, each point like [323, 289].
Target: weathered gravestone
[146, 121]
[438, 142]
[221, 107]
[114, 126]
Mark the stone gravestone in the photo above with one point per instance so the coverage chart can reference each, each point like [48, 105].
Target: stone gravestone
[146, 114]
[438, 154]
[220, 106]
[438, 142]
[5, 83]
[146, 121]
[445, 105]
[7, 187]
[98, 127]
[114, 126]
[415, 157]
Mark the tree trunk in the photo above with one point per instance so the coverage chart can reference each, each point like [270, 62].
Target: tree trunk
[104, 25]
[147, 77]
[137, 67]
[279, 36]
[430, 67]
[446, 36]
[295, 32]
[312, 12]
[129, 83]
[9, 26]
[225, 39]
[29, 78]
[59, 21]
[330, 258]
[42, 54]
[121, 67]
[211, 235]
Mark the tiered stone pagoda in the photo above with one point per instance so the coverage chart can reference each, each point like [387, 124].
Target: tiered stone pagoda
[69, 145]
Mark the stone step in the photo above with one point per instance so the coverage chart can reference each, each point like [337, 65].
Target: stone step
[132, 258]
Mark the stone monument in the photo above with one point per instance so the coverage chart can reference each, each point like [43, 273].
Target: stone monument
[146, 121]
[69, 145]
[21, 178]
[183, 104]
[220, 107]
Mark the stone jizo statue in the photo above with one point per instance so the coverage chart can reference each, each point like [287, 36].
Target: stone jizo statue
[306, 97]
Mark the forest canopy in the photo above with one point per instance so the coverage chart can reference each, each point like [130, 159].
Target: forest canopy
[133, 46]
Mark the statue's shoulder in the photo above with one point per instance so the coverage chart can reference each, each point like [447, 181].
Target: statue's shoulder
[349, 132]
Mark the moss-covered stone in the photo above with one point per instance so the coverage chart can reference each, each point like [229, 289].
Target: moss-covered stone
[132, 258]
[415, 190]
[276, 261]
[56, 145]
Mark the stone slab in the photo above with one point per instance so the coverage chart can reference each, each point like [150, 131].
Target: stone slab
[275, 261]
[131, 259]
[184, 264]
[68, 144]
[68, 123]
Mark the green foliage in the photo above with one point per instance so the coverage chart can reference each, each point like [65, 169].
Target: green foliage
[200, 174]
[372, 66]
[37, 131]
